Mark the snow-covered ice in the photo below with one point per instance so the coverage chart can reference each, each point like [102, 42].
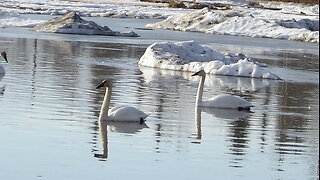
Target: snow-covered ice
[121, 9]
[72, 23]
[244, 22]
[291, 21]
[191, 57]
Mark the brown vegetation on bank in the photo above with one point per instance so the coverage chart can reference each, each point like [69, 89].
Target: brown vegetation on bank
[191, 5]
[180, 3]
[312, 2]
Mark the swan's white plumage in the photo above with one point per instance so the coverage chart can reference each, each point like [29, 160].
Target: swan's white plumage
[220, 101]
[121, 113]
[226, 101]
[126, 113]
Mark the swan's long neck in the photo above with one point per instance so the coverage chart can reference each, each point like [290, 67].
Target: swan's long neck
[106, 104]
[200, 91]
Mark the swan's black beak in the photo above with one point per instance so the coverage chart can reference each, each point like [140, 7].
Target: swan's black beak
[195, 74]
[4, 55]
[101, 85]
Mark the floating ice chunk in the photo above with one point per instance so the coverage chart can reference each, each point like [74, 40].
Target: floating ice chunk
[72, 23]
[192, 57]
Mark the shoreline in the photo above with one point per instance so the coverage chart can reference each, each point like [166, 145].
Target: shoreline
[131, 3]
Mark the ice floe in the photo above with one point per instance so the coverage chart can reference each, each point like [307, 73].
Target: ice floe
[191, 57]
[244, 22]
[72, 23]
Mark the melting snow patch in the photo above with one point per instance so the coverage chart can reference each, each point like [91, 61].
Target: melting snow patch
[192, 57]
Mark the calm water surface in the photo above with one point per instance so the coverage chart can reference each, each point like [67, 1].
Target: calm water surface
[49, 126]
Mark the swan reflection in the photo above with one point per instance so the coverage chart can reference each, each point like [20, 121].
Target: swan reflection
[227, 114]
[2, 88]
[125, 127]
[104, 140]
[119, 127]
[231, 114]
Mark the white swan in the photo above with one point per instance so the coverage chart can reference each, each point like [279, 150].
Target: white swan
[4, 56]
[221, 101]
[122, 113]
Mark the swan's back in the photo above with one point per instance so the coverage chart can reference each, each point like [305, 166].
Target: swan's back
[227, 101]
[126, 114]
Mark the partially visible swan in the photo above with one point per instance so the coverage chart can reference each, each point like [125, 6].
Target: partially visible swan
[121, 113]
[220, 101]
[4, 56]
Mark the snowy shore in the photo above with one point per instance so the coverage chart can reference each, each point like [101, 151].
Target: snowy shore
[244, 22]
[291, 21]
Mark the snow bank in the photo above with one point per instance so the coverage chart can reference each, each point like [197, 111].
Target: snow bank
[244, 22]
[12, 19]
[106, 9]
[191, 57]
[72, 23]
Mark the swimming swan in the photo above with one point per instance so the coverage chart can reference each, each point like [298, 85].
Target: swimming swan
[4, 56]
[221, 101]
[121, 113]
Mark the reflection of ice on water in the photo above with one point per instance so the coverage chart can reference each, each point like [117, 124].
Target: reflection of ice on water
[235, 83]
[119, 127]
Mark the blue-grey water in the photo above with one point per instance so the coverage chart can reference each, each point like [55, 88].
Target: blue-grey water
[49, 126]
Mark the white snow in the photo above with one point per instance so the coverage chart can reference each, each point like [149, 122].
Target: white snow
[122, 9]
[292, 22]
[244, 22]
[191, 57]
[12, 19]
